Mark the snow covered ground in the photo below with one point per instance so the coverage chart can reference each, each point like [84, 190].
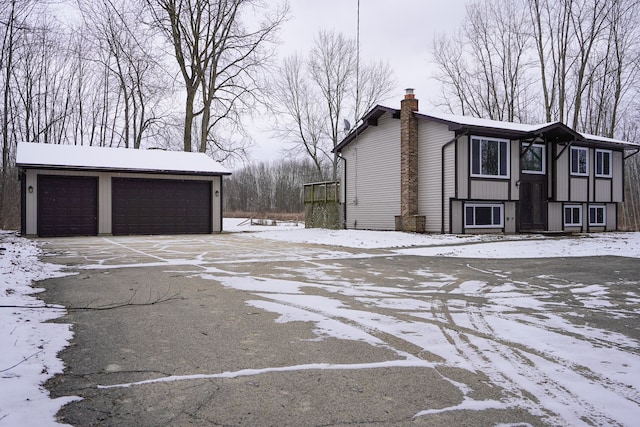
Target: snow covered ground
[30, 343]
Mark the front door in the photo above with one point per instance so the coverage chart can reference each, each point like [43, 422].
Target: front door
[533, 203]
[533, 187]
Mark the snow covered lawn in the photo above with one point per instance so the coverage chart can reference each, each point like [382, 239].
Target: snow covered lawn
[29, 343]
[569, 369]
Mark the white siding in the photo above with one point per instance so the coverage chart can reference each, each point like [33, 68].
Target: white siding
[373, 177]
[432, 137]
[104, 195]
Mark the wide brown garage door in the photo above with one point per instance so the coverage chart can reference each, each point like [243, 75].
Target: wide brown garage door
[160, 206]
[67, 206]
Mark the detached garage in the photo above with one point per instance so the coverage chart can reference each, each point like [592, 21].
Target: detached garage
[69, 190]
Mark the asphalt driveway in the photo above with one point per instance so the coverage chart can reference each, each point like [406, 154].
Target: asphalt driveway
[232, 330]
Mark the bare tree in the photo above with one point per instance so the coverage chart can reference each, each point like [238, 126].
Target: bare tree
[484, 66]
[301, 107]
[125, 49]
[313, 97]
[220, 58]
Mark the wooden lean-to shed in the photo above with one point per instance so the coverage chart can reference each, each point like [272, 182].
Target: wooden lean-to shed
[71, 190]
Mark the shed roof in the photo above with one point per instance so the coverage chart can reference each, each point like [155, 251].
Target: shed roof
[555, 130]
[58, 156]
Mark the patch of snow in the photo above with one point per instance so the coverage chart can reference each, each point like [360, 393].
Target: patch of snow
[449, 245]
[29, 342]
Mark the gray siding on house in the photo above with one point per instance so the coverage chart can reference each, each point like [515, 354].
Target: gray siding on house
[612, 217]
[432, 137]
[510, 217]
[602, 189]
[104, 195]
[554, 221]
[579, 191]
[463, 167]
[457, 217]
[514, 175]
[618, 177]
[489, 189]
[562, 173]
[373, 177]
[570, 188]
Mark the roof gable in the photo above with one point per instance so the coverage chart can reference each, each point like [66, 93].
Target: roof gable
[57, 156]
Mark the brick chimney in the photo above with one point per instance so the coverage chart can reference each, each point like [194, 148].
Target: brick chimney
[409, 220]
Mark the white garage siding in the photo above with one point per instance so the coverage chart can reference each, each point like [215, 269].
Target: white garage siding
[373, 177]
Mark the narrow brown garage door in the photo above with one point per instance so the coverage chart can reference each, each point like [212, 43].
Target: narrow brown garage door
[160, 206]
[67, 206]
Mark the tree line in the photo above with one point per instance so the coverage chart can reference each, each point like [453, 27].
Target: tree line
[270, 187]
[183, 74]
[172, 74]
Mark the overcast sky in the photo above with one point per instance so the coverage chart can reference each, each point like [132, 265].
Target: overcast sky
[399, 31]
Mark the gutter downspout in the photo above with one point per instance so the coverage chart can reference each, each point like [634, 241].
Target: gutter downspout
[343, 189]
[221, 203]
[455, 139]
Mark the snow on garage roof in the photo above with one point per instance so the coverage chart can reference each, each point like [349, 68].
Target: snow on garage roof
[122, 159]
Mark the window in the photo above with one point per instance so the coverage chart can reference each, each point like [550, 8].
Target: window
[489, 157]
[573, 215]
[483, 215]
[533, 159]
[603, 163]
[579, 161]
[597, 215]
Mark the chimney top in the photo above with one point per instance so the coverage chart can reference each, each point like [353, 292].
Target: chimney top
[408, 93]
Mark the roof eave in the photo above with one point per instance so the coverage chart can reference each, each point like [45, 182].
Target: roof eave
[368, 120]
[119, 170]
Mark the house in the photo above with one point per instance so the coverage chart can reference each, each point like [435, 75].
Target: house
[431, 172]
[70, 190]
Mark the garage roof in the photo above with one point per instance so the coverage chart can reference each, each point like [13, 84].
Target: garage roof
[57, 156]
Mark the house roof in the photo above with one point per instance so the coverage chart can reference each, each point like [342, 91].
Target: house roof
[79, 157]
[464, 124]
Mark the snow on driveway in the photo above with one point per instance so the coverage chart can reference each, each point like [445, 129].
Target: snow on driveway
[543, 361]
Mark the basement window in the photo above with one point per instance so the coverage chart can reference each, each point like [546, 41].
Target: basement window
[483, 215]
[597, 216]
[573, 215]
[489, 157]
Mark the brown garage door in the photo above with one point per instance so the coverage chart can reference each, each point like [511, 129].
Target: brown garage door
[67, 206]
[160, 206]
